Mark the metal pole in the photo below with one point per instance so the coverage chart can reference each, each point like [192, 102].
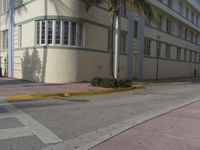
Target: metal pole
[0, 68]
[117, 41]
[10, 39]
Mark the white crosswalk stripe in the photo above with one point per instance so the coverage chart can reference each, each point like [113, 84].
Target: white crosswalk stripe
[14, 133]
[32, 127]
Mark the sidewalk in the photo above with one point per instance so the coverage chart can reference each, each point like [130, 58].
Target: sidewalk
[13, 89]
[177, 130]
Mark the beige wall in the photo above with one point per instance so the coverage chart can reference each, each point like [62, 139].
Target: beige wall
[70, 64]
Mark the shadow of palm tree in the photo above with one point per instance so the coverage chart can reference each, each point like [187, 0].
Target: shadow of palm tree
[31, 66]
[19, 8]
[60, 7]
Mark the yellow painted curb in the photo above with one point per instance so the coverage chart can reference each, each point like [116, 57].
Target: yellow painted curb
[32, 96]
[65, 94]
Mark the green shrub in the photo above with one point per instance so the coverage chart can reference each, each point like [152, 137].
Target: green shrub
[111, 82]
[96, 81]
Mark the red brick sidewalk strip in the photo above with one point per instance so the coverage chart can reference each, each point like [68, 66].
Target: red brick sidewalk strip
[177, 130]
[13, 89]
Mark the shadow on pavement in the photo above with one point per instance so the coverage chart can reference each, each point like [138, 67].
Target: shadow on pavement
[27, 104]
[6, 81]
[195, 81]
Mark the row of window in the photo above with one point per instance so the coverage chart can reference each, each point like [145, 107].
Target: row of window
[182, 10]
[179, 51]
[59, 32]
[174, 28]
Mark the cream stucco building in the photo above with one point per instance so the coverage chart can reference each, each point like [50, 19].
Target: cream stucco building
[58, 41]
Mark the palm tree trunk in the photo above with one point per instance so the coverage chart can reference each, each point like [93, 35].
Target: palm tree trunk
[111, 45]
[117, 40]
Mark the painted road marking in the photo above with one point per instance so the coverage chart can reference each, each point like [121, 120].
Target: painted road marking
[32, 127]
[43, 133]
[6, 115]
[14, 133]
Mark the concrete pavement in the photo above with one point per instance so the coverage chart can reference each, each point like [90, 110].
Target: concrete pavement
[177, 130]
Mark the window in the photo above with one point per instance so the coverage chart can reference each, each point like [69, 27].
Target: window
[186, 34]
[123, 42]
[79, 34]
[192, 17]
[147, 47]
[197, 19]
[190, 58]
[168, 49]
[50, 32]
[135, 29]
[196, 38]
[179, 30]
[195, 57]
[38, 32]
[180, 8]
[60, 32]
[5, 39]
[185, 54]
[169, 26]
[186, 13]
[73, 35]
[123, 10]
[66, 32]
[158, 49]
[191, 36]
[43, 32]
[178, 55]
[169, 3]
[160, 22]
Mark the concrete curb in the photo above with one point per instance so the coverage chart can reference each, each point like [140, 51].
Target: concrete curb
[169, 81]
[66, 94]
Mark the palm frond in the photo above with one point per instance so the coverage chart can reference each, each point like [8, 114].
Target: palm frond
[142, 7]
[92, 2]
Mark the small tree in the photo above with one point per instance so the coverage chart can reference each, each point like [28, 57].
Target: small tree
[141, 6]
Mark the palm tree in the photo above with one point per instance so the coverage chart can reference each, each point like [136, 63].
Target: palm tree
[141, 6]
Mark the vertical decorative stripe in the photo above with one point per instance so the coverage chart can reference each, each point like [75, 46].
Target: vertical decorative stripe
[141, 50]
[10, 40]
[130, 44]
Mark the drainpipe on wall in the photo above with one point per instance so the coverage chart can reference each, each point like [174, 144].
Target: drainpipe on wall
[10, 39]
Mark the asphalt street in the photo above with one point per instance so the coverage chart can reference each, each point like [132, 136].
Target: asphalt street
[72, 122]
